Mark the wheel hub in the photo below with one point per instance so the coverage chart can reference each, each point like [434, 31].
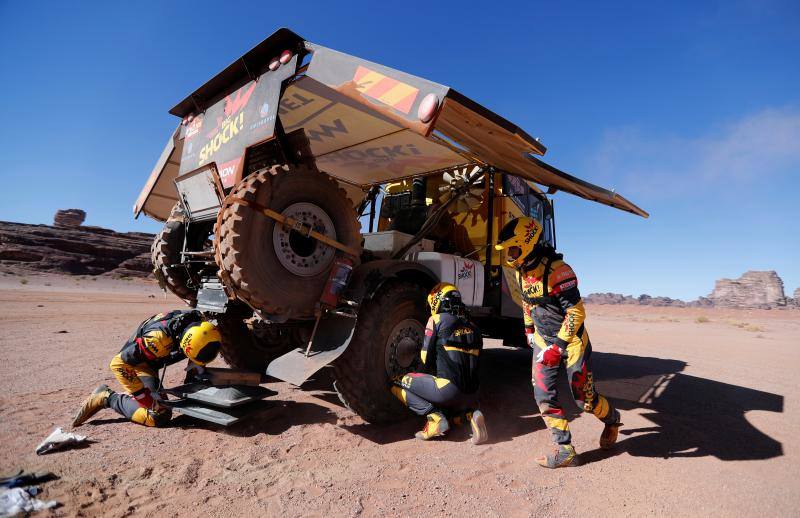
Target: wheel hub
[403, 346]
[301, 255]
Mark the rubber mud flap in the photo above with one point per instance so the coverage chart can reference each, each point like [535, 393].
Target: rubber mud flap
[330, 341]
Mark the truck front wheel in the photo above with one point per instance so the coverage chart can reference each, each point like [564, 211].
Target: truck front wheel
[386, 343]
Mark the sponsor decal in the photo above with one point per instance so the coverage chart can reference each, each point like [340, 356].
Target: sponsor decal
[564, 272]
[466, 271]
[325, 130]
[186, 343]
[461, 331]
[227, 172]
[236, 104]
[379, 155]
[193, 127]
[298, 106]
[229, 129]
[385, 89]
[564, 286]
[264, 110]
[437, 300]
[128, 373]
[588, 393]
[571, 324]
[532, 229]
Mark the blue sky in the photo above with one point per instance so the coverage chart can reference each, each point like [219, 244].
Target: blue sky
[690, 109]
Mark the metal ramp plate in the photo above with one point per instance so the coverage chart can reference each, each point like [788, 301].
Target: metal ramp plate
[330, 341]
[226, 417]
[221, 396]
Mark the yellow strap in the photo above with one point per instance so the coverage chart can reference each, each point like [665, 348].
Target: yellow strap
[473, 352]
[294, 225]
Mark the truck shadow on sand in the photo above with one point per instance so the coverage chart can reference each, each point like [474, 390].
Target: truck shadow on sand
[691, 416]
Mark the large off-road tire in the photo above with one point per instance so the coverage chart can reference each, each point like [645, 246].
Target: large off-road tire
[386, 343]
[276, 271]
[166, 251]
[244, 347]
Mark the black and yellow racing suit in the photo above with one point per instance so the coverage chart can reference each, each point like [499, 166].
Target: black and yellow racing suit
[152, 346]
[451, 353]
[554, 324]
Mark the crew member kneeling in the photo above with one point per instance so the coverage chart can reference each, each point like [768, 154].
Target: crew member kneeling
[451, 350]
[159, 341]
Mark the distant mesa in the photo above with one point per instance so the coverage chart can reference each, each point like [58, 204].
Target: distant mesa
[69, 218]
[70, 248]
[755, 290]
[751, 290]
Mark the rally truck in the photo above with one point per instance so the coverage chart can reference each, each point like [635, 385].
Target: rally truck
[311, 199]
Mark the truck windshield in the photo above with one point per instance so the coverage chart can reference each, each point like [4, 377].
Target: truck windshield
[530, 204]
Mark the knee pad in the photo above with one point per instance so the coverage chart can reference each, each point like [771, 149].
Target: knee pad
[150, 418]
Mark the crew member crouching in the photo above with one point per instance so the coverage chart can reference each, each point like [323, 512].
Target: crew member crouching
[451, 350]
[161, 340]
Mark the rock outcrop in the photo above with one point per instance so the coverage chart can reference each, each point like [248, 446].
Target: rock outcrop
[74, 249]
[69, 218]
[644, 300]
[751, 290]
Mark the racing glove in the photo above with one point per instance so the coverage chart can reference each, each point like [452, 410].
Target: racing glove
[529, 336]
[144, 398]
[550, 356]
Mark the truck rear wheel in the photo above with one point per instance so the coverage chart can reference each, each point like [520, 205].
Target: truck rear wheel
[253, 349]
[166, 252]
[386, 343]
[275, 270]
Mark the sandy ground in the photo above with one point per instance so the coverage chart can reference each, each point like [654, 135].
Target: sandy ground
[710, 411]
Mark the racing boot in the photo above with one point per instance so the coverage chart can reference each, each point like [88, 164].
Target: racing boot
[478, 424]
[610, 432]
[97, 401]
[563, 456]
[436, 426]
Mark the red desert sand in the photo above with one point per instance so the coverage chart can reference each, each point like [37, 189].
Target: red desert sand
[708, 398]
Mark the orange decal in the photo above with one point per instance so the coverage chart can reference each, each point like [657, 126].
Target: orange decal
[391, 92]
[562, 273]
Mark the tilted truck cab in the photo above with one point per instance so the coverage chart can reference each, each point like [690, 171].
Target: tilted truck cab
[306, 192]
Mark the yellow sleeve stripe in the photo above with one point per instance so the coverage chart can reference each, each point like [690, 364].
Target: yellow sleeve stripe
[473, 352]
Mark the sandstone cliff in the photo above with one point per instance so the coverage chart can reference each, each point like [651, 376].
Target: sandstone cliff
[73, 249]
[751, 290]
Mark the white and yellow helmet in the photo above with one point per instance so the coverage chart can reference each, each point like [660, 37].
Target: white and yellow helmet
[201, 342]
[443, 297]
[518, 238]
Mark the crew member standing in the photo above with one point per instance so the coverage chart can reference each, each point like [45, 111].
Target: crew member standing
[161, 340]
[554, 326]
[451, 351]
